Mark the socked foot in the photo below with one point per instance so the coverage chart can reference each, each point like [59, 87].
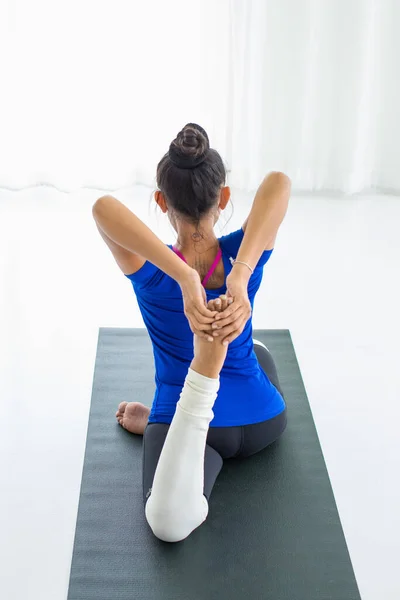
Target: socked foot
[133, 416]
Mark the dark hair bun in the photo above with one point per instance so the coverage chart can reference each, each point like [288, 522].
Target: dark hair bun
[190, 147]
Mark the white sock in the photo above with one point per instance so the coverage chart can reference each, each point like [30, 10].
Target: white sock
[177, 505]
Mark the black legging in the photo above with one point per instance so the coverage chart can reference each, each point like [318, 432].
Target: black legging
[222, 442]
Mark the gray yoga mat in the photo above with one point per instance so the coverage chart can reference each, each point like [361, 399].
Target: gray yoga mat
[273, 531]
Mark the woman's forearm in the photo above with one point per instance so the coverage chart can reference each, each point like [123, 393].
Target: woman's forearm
[124, 228]
[267, 213]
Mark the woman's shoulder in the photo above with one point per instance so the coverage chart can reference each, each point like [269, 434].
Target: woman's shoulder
[230, 245]
[231, 241]
[149, 276]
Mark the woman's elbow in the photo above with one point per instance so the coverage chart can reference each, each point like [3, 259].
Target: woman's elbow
[280, 179]
[100, 204]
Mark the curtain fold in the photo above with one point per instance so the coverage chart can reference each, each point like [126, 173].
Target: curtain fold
[92, 93]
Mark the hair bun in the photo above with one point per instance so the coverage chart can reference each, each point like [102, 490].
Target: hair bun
[190, 147]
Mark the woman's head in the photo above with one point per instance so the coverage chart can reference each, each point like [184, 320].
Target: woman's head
[191, 177]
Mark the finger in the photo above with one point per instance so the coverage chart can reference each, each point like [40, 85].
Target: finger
[204, 336]
[196, 325]
[231, 333]
[228, 311]
[201, 326]
[233, 336]
[223, 333]
[230, 297]
[218, 325]
[201, 334]
[237, 326]
[214, 305]
[200, 318]
[204, 311]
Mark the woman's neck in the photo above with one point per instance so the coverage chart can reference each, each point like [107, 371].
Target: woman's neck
[196, 241]
[199, 247]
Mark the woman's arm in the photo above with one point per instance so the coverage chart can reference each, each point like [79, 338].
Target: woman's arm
[261, 226]
[266, 215]
[128, 232]
[260, 230]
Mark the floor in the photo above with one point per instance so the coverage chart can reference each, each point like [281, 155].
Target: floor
[333, 281]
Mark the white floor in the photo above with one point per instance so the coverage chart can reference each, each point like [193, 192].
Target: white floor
[333, 281]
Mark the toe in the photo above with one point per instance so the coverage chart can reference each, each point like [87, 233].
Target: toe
[135, 418]
[224, 302]
[211, 305]
[121, 408]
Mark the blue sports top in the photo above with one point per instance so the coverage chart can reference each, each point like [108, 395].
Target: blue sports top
[245, 395]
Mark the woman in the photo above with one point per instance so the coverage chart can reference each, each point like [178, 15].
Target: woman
[219, 397]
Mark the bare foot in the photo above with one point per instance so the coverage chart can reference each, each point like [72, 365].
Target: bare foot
[133, 416]
[209, 358]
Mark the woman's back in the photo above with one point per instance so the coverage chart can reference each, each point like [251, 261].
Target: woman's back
[246, 395]
[192, 192]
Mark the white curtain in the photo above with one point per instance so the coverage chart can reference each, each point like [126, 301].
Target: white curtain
[92, 92]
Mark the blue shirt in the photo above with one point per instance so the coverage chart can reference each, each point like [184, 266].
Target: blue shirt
[246, 395]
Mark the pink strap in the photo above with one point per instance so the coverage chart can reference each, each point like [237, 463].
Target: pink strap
[179, 254]
[212, 268]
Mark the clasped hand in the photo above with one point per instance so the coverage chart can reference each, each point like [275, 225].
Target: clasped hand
[227, 325]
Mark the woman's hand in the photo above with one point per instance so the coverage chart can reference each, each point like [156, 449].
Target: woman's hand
[230, 323]
[209, 358]
[195, 305]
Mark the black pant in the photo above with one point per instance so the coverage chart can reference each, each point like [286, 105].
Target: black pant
[222, 442]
